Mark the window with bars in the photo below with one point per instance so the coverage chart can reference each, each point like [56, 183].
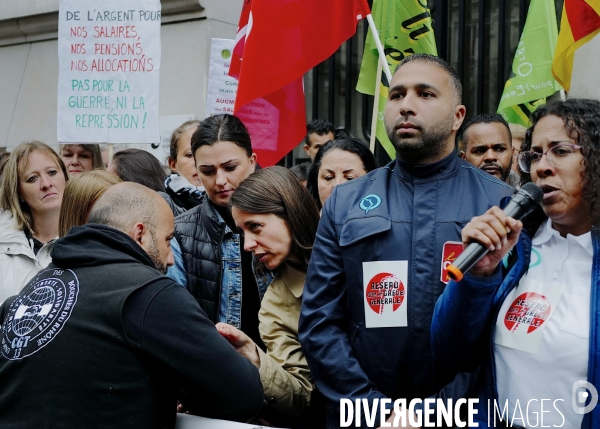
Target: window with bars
[478, 38]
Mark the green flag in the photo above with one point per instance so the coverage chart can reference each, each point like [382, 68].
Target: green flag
[531, 79]
[404, 29]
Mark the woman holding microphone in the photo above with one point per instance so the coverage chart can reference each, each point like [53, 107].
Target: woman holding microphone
[528, 311]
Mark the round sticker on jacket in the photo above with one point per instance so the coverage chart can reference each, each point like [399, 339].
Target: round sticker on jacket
[38, 314]
[530, 309]
[383, 290]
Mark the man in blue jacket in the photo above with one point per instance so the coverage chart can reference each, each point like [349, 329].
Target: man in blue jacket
[384, 240]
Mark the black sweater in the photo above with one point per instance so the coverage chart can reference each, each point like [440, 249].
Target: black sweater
[111, 342]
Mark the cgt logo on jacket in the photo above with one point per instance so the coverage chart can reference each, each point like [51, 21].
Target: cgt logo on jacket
[38, 314]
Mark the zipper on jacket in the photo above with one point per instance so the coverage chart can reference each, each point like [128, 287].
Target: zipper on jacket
[220, 256]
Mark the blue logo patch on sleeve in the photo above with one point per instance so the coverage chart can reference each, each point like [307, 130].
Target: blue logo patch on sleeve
[370, 202]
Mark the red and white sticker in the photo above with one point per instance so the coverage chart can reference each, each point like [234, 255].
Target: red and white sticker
[385, 293]
[529, 310]
[525, 313]
[450, 252]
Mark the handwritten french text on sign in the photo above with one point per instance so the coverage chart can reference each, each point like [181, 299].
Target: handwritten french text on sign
[385, 293]
[109, 71]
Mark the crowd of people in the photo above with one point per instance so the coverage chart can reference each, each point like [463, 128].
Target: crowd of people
[267, 295]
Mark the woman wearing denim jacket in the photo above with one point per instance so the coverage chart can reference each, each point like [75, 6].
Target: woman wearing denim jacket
[210, 260]
[533, 320]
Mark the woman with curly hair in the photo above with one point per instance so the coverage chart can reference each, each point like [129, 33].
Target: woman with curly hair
[523, 312]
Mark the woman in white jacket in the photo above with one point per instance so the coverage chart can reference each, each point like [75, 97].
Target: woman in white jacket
[30, 197]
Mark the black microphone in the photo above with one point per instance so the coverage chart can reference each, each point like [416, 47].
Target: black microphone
[521, 204]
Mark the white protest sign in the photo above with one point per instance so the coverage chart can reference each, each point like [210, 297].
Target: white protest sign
[109, 71]
[260, 116]
[220, 95]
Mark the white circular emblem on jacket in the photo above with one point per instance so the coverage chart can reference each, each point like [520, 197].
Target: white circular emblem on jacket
[38, 314]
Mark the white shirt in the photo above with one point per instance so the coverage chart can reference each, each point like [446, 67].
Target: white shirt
[541, 345]
[18, 262]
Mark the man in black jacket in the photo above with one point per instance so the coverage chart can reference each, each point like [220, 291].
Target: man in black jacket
[102, 339]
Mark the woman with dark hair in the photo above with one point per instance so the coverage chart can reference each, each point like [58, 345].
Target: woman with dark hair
[183, 188]
[530, 314]
[79, 158]
[208, 250]
[338, 161]
[139, 166]
[279, 222]
[31, 194]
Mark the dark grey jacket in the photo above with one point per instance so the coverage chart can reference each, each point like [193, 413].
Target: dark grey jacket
[200, 234]
[211, 255]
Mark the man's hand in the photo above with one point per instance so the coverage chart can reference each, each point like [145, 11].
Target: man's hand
[493, 230]
[181, 408]
[242, 342]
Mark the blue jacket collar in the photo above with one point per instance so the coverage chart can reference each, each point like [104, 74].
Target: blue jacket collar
[446, 167]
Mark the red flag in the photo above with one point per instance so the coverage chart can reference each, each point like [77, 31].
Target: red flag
[278, 41]
[240, 40]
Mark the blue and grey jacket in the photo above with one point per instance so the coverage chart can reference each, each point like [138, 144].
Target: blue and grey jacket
[208, 263]
[402, 212]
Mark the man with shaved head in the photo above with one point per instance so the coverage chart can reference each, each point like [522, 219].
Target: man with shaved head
[145, 219]
[102, 338]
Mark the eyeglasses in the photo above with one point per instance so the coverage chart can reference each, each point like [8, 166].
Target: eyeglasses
[559, 156]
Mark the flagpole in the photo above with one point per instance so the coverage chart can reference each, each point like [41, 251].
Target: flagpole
[376, 104]
[382, 64]
[386, 67]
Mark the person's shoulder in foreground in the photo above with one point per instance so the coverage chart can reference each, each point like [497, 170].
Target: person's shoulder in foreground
[103, 339]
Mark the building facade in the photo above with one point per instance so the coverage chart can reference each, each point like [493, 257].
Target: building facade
[29, 62]
[478, 37]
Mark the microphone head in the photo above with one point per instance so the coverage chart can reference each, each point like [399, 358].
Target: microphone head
[534, 192]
